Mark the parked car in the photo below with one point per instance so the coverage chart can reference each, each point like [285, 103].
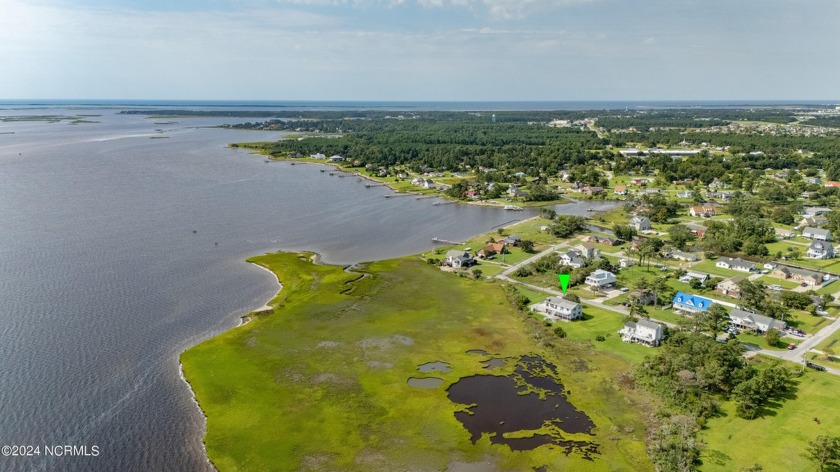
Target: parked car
[791, 347]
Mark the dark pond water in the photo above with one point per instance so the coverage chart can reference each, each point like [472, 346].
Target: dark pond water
[504, 405]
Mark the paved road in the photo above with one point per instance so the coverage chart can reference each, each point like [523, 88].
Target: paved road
[798, 355]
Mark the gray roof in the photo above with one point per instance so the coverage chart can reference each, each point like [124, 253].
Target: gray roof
[457, 253]
[737, 262]
[561, 302]
[817, 232]
[737, 313]
[649, 324]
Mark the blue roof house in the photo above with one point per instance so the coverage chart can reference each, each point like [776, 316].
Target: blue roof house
[690, 303]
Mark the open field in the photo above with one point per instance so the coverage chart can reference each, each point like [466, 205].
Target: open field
[333, 359]
[782, 434]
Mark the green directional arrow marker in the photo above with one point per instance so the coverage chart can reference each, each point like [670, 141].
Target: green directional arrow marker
[564, 281]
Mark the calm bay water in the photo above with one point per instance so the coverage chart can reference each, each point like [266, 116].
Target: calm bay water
[118, 251]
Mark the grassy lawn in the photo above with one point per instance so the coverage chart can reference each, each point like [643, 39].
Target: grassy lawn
[709, 266]
[600, 322]
[320, 383]
[808, 322]
[783, 432]
[758, 340]
[832, 343]
[830, 289]
[669, 316]
[488, 269]
[533, 295]
[785, 284]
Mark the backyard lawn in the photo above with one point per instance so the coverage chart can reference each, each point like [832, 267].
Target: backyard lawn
[783, 432]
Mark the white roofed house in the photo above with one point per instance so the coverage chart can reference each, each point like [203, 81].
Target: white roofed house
[559, 308]
[336, 158]
[754, 321]
[600, 278]
[458, 259]
[644, 332]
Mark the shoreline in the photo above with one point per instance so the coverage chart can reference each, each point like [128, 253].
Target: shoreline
[200, 410]
[487, 203]
[243, 320]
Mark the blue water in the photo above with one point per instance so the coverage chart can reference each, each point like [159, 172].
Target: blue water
[118, 251]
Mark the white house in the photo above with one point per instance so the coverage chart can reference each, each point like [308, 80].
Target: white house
[644, 332]
[600, 278]
[704, 211]
[318, 155]
[735, 264]
[559, 308]
[820, 250]
[754, 322]
[458, 259]
[641, 223]
[336, 158]
[572, 258]
[693, 274]
[816, 233]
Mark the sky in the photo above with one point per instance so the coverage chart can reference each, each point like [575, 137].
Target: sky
[452, 50]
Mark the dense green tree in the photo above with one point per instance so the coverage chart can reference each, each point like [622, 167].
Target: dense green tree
[625, 232]
[824, 452]
[680, 235]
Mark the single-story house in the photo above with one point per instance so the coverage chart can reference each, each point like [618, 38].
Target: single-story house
[814, 211]
[490, 250]
[336, 158]
[641, 223]
[754, 321]
[831, 183]
[809, 277]
[318, 155]
[690, 303]
[685, 194]
[644, 332]
[459, 259]
[625, 263]
[693, 274]
[684, 256]
[735, 264]
[816, 233]
[729, 287]
[702, 211]
[620, 190]
[784, 233]
[555, 307]
[592, 190]
[820, 250]
[512, 240]
[600, 239]
[600, 278]
[698, 230]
